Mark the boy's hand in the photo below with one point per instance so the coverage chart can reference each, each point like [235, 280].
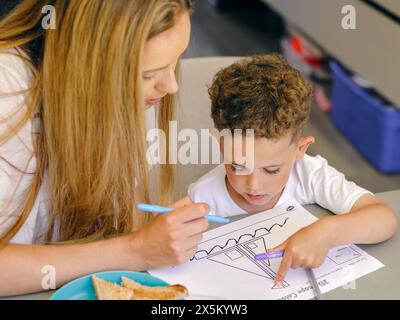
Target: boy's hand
[307, 248]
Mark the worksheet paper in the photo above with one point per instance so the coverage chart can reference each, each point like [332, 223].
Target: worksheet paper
[224, 265]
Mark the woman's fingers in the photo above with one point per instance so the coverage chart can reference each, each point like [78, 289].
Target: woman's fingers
[186, 201]
[184, 250]
[187, 213]
[194, 227]
[177, 234]
[190, 245]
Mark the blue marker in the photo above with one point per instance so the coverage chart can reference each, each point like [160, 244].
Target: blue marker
[160, 210]
[270, 255]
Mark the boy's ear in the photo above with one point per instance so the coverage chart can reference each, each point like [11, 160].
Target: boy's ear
[303, 145]
[215, 133]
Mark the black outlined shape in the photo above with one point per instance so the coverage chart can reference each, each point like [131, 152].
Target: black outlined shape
[201, 254]
[238, 254]
[344, 255]
[241, 257]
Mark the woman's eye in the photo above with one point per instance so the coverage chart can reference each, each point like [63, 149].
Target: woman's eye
[272, 171]
[148, 76]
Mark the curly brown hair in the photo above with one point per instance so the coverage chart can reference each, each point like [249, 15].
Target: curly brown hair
[263, 93]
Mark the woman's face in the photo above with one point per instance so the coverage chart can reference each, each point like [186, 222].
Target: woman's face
[161, 54]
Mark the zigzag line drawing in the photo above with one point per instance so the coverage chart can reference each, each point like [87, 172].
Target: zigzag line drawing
[236, 241]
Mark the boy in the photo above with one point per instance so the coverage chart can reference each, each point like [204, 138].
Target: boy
[266, 94]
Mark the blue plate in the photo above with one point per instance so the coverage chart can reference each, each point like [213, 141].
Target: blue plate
[82, 288]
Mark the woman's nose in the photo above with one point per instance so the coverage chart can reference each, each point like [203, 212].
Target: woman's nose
[168, 83]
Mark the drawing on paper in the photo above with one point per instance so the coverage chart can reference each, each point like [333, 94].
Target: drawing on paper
[224, 264]
[343, 255]
[239, 253]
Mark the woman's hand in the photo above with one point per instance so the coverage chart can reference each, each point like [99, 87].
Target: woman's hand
[170, 238]
[307, 248]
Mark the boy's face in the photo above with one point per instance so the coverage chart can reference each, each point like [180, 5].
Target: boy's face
[259, 189]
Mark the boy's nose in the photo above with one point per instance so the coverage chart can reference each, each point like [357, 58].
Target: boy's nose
[253, 183]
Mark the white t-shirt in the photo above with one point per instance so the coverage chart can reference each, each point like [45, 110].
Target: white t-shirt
[312, 181]
[15, 76]
[18, 150]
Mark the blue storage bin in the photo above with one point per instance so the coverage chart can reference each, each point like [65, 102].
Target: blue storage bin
[374, 129]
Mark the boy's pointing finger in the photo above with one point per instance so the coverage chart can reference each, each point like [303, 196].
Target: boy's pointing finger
[283, 268]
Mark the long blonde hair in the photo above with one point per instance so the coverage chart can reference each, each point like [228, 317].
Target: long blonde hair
[87, 91]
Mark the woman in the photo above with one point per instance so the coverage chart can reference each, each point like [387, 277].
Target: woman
[72, 139]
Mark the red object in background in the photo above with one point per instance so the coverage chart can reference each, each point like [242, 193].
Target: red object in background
[295, 42]
[300, 47]
[309, 60]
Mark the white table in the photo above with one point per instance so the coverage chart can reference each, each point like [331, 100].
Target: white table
[381, 284]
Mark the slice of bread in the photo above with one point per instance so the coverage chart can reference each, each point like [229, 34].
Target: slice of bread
[109, 291]
[142, 292]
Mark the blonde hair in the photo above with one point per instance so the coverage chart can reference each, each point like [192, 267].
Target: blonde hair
[87, 90]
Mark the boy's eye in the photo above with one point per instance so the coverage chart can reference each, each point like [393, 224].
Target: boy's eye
[233, 168]
[237, 169]
[272, 171]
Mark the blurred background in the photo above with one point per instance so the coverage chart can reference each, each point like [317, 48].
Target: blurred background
[348, 49]
[355, 113]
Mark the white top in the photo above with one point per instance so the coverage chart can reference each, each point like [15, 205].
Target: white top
[18, 150]
[312, 181]
[16, 76]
